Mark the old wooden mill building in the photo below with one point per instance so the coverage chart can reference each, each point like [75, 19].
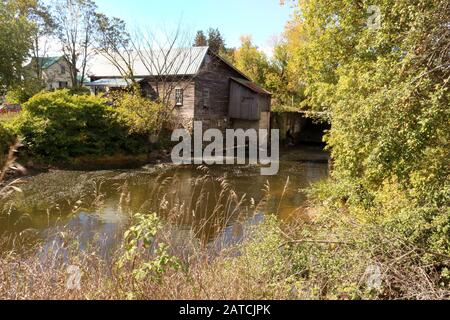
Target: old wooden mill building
[199, 84]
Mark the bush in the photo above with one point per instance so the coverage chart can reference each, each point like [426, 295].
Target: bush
[142, 115]
[23, 93]
[144, 259]
[395, 240]
[59, 126]
[80, 91]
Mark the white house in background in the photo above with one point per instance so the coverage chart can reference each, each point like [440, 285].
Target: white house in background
[55, 71]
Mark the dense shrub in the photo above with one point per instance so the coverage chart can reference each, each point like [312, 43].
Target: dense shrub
[80, 91]
[22, 93]
[408, 243]
[142, 115]
[58, 126]
[386, 90]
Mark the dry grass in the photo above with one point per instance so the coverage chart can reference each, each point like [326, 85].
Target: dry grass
[331, 255]
[207, 272]
[226, 276]
[258, 269]
[275, 261]
[10, 166]
[33, 275]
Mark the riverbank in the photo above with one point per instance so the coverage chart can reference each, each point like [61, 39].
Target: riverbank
[105, 196]
[332, 257]
[223, 232]
[104, 162]
[206, 214]
[32, 167]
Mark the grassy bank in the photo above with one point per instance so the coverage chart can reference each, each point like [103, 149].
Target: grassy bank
[337, 253]
[271, 264]
[95, 163]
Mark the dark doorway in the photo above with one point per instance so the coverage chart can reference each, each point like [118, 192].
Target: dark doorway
[312, 132]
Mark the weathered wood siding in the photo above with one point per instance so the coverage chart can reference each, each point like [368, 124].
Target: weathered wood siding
[244, 103]
[264, 102]
[228, 100]
[215, 76]
[187, 109]
[263, 123]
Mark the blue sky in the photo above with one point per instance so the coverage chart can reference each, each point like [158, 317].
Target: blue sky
[262, 19]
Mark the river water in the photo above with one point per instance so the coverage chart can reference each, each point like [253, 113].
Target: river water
[212, 205]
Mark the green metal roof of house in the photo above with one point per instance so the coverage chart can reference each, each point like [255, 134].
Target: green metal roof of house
[47, 62]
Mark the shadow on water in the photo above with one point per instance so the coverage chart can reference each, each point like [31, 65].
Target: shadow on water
[212, 205]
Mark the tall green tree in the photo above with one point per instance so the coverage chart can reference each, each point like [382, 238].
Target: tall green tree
[251, 61]
[42, 19]
[382, 73]
[386, 86]
[287, 88]
[15, 39]
[200, 39]
[216, 42]
[76, 21]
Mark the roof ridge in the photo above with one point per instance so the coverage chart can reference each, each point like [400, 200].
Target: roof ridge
[47, 62]
[251, 85]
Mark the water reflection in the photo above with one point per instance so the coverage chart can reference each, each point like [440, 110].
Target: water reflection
[212, 205]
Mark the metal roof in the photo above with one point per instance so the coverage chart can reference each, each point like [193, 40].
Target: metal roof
[47, 62]
[174, 62]
[112, 83]
[251, 85]
[44, 62]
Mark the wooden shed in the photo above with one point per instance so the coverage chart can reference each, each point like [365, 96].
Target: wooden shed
[249, 105]
[200, 84]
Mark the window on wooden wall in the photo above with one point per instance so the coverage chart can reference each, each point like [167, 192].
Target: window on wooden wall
[206, 98]
[179, 97]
